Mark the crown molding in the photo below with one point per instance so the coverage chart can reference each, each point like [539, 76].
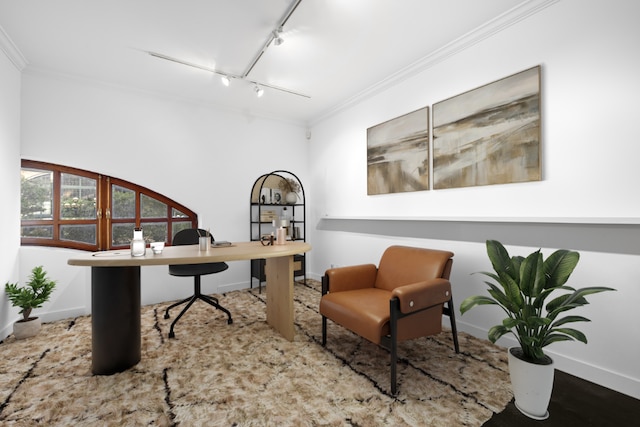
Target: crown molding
[12, 51]
[516, 14]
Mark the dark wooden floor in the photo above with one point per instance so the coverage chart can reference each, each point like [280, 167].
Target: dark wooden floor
[576, 402]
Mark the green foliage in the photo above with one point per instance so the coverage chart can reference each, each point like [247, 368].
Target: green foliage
[33, 294]
[524, 284]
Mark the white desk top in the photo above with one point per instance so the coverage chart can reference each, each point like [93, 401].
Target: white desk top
[190, 254]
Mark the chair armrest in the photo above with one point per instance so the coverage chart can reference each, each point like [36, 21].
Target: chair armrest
[421, 295]
[349, 278]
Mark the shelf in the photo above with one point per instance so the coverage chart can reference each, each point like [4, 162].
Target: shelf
[279, 183]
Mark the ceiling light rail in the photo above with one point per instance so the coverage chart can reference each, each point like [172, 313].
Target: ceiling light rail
[273, 36]
[223, 75]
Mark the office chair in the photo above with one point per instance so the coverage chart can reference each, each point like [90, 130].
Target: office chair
[190, 237]
[403, 298]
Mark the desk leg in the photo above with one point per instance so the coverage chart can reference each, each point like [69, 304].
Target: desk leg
[279, 272]
[115, 319]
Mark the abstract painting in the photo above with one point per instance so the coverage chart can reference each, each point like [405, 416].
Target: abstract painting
[489, 135]
[398, 154]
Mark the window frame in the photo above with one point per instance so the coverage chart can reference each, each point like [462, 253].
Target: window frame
[103, 220]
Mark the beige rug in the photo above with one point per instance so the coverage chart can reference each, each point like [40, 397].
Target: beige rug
[245, 374]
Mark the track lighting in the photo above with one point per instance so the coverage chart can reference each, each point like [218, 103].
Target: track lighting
[259, 91]
[277, 37]
[225, 80]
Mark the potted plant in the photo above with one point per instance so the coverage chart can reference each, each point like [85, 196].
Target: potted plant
[290, 187]
[35, 293]
[523, 286]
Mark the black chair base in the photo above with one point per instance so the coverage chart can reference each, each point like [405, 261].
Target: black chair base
[196, 296]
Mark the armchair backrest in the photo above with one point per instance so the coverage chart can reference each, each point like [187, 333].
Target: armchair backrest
[402, 265]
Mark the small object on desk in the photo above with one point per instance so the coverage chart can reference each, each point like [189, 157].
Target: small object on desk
[138, 245]
[220, 243]
[157, 247]
[204, 243]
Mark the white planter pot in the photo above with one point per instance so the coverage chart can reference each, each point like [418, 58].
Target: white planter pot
[532, 385]
[291, 198]
[30, 328]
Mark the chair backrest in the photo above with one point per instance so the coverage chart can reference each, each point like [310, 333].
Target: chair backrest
[189, 236]
[402, 265]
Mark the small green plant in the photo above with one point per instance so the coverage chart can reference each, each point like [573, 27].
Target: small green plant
[523, 286]
[33, 294]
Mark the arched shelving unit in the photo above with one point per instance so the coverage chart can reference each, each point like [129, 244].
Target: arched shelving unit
[272, 197]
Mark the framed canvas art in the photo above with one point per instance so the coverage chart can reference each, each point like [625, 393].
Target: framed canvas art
[489, 135]
[398, 154]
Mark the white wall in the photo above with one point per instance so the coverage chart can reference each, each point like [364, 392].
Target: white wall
[204, 158]
[589, 67]
[590, 63]
[10, 187]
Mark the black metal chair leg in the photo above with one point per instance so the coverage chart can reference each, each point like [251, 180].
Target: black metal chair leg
[324, 331]
[454, 329]
[184, 310]
[214, 302]
[394, 308]
[166, 313]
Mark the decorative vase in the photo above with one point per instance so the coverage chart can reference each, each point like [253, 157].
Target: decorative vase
[532, 385]
[26, 328]
[138, 244]
[291, 198]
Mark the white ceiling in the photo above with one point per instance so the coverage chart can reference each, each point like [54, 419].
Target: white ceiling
[335, 51]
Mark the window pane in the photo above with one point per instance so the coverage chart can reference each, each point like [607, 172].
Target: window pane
[175, 213]
[38, 231]
[178, 226]
[122, 233]
[123, 203]
[155, 231]
[36, 194]
[152, 208]
[85, 233]
[77, 197]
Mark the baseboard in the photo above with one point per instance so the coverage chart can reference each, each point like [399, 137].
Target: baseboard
[229, 287]
[595, 374]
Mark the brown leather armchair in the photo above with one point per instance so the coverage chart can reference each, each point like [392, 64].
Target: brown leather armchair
[401, 299]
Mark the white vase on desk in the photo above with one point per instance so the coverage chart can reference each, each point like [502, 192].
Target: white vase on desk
[138, 245]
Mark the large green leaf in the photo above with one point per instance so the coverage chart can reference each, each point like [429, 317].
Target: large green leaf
[471, 302]
[569, 319]
[551, 338]
[559, 266]
[500, 259]
[536, 322]
[496, 332]
[574, 333]
[512, 294]
[532, 274]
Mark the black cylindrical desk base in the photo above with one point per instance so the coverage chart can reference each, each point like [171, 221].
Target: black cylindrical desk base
[115, 318]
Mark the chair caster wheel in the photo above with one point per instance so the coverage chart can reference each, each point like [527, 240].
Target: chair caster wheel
[172, 335]
[166, 315]
[230, 321]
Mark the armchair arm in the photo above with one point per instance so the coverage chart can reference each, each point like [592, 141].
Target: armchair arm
[350, 278]
[421, 295]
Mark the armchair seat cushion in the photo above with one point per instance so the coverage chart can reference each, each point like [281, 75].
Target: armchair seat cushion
[363, 311]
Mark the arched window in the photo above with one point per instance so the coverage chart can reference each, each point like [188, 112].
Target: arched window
[74, 208]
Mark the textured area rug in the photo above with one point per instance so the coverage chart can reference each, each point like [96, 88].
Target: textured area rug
[246, 374]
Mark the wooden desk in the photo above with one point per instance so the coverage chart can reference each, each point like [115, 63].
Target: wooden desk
[115, 293]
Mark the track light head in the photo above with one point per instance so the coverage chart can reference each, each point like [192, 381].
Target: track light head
[225, 80]
[259, 91]
[277, 36]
